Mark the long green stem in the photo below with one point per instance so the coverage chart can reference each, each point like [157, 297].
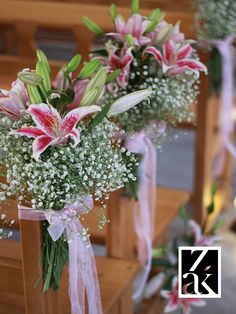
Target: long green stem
[49, 270]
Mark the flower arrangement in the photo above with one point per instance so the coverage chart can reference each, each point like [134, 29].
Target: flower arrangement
[148, 52]
[166, 257]
[215, 21]
[59, 153]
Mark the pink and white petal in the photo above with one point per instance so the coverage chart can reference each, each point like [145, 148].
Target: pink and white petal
[116, 36]
[192, 64]
[115, 61]
[195, 229]
[75, 134]
[185, 52]
[121, 80]
[29, 132]
[79, 89]
[170, 307]
[127, 59]
[73, 117]
[165, 294]
[41, 143]
[119, 24]
[4, 93]
[168, 52]
[137, 25]
[186, 307]
[19, 87]
[175, 70]
[144, 40]
[46, 117]
[156, 53]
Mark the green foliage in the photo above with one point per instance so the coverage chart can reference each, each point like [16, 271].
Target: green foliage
[92, 26]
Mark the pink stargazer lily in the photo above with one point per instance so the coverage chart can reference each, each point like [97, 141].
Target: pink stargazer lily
[201, 239]
[51, 129]
[174, 302]
[176, 59]
[135, 26]
[11, 104]
[121, 62]
[79, 89]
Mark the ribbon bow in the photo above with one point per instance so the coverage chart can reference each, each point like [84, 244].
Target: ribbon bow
[82, 266]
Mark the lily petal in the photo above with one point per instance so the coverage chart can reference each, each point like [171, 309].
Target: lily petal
[168, 52]
[75, 134]
[47, 118]
[73, 117]
[119, 24]
[156, 53]
[192, 64]
[185, 52]
[40, 144]
[29, 132]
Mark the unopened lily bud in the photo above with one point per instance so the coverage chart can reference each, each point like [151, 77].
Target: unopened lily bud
[130, 40]
[98, 81]
[30, 78]
[92, 26]
[74, 63]
[164, 34]
[89, 69]
[90, 97]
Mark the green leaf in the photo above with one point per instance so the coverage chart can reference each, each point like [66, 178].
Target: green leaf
[34, 95]
[130, 39]
[100, 116]
[30, 78]
[41, 70]
[98, 81]
[113, 12]
[135, 6]
[218, 225]
[111, 77]
[89, 69]
[42, 57]
[74, 63]
[151, 26]
[92, 26]
[90, 97]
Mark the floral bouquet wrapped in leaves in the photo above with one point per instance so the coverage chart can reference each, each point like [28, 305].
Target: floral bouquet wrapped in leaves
[59, 155]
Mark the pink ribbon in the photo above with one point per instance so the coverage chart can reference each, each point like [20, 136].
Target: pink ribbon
[226, 122]
[144, 211]
[82, 266]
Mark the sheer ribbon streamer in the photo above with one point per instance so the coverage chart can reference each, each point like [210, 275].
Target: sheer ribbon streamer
[144, 211]
[82, 266]
[226, 122]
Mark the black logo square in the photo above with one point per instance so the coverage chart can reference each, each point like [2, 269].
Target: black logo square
[199, 272]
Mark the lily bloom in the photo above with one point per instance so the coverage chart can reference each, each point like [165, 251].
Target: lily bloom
[121, 62]
[51, 129]
[135, 26]
[174, 302]
[199, 238]
[79, 89]
[19, 87]
[176, 59]
[11, 104]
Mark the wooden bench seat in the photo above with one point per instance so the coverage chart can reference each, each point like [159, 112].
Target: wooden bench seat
[115, 276]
